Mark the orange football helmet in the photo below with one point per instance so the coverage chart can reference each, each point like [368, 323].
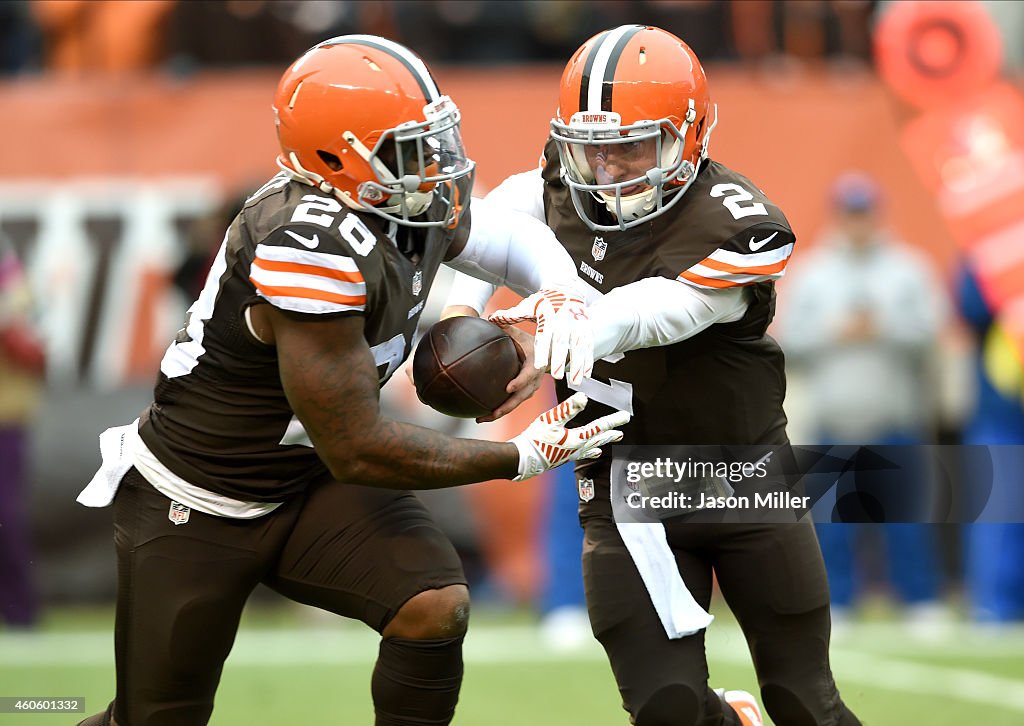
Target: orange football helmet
[361, 117]
[633, 124]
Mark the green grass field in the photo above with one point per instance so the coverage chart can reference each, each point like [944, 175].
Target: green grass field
[288, 668]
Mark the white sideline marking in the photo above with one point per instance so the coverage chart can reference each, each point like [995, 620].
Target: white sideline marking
[517, 644]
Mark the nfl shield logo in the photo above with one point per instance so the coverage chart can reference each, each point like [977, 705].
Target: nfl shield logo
[586, 489]
[417, 282]
[178, 513]
[599, 248]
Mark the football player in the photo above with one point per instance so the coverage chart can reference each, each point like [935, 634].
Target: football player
[264, 457]
[678, 255]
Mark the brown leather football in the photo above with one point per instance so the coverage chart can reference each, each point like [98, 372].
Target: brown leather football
[462, 366]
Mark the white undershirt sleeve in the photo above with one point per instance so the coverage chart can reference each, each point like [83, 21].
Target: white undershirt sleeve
[523, 192]
[658, 311]
[471, 292]
[510, 247]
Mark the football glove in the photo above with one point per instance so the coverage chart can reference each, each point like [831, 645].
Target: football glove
[547, 443]
[563, 331]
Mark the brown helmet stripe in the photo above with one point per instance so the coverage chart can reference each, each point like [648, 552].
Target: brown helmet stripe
[599, 69]
[588, 66]
[613, 61]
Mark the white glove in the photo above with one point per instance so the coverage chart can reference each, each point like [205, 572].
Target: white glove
[547, 443]
[563, 331]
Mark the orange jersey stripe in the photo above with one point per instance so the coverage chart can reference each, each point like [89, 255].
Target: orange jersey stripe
[305, 292]
[757, 270]
[302, 268]
[710, 282]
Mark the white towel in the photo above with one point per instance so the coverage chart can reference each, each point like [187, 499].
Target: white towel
[680, 614]
[116, 450]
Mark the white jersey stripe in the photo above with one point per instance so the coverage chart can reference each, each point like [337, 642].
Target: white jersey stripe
[276, 253]
[733, 277]
[309, 305]
[705, 271]
[269, 278]
[754, 259]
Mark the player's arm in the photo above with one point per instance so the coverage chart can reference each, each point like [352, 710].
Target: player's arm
[468, 296]
[919, 318]
[647, 313]
[508, 243]
[315, 301]
[505, 246]
[330, 378]
[660, 311]
[523, 193]
[508, 238]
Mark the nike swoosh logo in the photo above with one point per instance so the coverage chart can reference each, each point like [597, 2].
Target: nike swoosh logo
[310, 242]
[755, 246]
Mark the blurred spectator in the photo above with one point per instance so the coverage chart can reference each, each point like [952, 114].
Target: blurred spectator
[802, 29]
[22, 363]
[465, 30]
[102, 36]
[111, 36]
[995, 552]
[202, 237]
[704, 23]
[19, 37]
[248, 32]
[864, 312]
[500, 31]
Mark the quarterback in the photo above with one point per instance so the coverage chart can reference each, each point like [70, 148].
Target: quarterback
[264, 457]
[677, 255]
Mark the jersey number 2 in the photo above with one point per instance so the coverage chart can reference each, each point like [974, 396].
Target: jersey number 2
[736, 201]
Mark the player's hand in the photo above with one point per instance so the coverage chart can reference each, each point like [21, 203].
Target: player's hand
[547, 442]
[563, 331]
[525, 384]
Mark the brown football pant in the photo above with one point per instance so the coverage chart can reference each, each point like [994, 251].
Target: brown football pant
[772, 577]
[359, 552]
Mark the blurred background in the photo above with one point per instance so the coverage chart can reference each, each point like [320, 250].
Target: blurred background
[891, 134]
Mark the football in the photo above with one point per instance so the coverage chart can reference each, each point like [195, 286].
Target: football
[462, 366]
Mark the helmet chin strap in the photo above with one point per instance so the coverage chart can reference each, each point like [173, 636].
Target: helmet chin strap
[301, 174]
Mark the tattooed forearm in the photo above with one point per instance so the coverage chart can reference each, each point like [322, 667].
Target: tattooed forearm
[332, 387]
[411, 457]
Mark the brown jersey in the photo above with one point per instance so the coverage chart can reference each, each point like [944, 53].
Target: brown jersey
[220, 418]
[726, 384]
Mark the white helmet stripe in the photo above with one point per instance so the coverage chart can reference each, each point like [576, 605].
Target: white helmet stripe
[605, 60]
[409, 59]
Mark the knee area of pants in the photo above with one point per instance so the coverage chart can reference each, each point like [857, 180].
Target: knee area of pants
[440, 613]
[785, 707]
[675, 705]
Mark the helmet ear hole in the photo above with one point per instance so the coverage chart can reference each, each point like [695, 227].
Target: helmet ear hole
[330, 159]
